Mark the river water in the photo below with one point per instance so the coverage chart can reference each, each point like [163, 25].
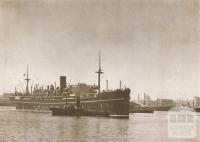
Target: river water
[23, 126]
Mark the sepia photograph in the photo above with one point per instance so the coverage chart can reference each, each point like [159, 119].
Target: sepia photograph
[99, 71]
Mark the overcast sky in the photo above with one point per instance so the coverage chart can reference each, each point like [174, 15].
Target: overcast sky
[151, 45]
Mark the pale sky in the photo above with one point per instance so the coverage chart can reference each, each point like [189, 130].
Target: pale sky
[151, 45]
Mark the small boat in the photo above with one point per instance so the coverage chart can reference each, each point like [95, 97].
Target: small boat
[197, 109]
[141, 109]
[71, 110]
[162, 108]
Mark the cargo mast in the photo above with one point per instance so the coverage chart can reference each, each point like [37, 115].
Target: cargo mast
[99, 72]
[27, 80]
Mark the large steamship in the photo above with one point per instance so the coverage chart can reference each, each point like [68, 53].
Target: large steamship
[81, 99]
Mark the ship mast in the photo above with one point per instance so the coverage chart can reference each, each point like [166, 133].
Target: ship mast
[27, 81]
[99, 72]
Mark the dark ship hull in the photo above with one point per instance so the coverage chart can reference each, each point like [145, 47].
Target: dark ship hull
[197, 109]
[141, 109]
[115, 103]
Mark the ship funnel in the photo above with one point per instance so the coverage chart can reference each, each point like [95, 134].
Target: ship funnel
[62, 83]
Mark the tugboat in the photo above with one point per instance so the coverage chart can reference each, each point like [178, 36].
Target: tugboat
[71, 110]
[75, 111]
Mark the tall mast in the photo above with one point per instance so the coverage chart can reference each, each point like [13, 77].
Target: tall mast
[99, 72]
[27, 80]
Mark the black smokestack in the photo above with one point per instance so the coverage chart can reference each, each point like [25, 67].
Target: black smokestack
[62, 83]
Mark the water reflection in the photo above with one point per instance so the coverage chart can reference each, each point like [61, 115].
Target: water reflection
[20, 126]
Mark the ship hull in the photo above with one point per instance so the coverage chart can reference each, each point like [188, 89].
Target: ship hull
[113, 104]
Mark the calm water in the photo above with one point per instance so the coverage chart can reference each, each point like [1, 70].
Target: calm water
[19, 126]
